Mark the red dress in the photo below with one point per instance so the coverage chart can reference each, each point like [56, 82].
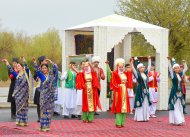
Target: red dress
[89, 85]
[118, 86]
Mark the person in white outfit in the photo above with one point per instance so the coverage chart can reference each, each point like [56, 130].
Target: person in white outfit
[130, 80]
[70, 94]
[153, 80]
[78, 110]
[59, 102]
[176, 101]
[142, 97]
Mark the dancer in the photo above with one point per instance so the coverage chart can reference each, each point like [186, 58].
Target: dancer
[88, 82]
[46, 92]
[78, 110]
[11, 88]
[41, 61]
[118, 84]
[130, 80]
[154, 79]
[176, 101]
[99, 71]
[21, 91]
[183, 70]
[70, 95]
[142, 98]
[59, 102]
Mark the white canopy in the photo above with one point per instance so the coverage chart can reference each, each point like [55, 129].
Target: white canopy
[114, 20]
[111, 30]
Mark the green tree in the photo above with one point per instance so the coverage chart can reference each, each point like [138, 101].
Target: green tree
[19, 44]
[171, 14]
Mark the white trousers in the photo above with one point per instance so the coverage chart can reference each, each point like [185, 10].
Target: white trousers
[78, 109]
[153, 99]
[69, 101]
[59, 102]
[131, 98]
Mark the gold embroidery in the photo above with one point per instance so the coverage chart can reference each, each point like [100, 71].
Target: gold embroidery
[124, 90]
[89, 89]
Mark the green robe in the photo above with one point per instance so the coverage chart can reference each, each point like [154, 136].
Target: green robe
[173, 94]
[140, 94]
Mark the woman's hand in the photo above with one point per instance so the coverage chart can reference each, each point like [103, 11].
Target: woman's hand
[107, 62]
[48, 60]
[5, 61]
[169, 58]
[23, 59]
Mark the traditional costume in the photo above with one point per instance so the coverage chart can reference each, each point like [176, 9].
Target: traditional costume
[21, 95]
[142, 97]
[100, 73]
[37, 90]
[118, 84]
[176, 101]
[88, 82]
[153, 77]
[47, 92]
[78, 109]
[59, 102]
[11, 90]
[183, 83]
[130, 80]
[70, 93]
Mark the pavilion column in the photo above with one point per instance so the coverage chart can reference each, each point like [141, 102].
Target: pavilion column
[68, 48]
[127, 47]
[162, 67]
[100, 49]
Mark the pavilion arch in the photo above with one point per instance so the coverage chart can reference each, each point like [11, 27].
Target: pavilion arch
[109, 31]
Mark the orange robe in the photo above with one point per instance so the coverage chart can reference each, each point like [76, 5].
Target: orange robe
[120, 100]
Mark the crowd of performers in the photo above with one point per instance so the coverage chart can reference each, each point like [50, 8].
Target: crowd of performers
[82, 90]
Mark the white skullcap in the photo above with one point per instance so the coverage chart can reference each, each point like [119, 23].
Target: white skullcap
[140, 65]
[96, 58]
[135, 58]
[119, 61]
[175, 65]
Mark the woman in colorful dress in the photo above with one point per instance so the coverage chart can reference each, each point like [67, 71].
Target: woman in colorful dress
[21, 91]
[118, 84]
[87, 81]
[176, 101]
[48, 81]
[142, 98]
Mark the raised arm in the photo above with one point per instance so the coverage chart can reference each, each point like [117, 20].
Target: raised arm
[64, 76]
[11, 70]
[74, 69]
[185, 67]
[25, 65]
[108, 66]
[133, 68]
[170, 68]
[38, 71]
[149, 63]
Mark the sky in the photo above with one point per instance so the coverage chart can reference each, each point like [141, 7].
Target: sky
[36, 16]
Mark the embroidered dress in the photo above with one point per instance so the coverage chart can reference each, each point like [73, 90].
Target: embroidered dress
[21, 95]
[176, 101]
[142, 98]
[70, 94]
[88, 82]
[47, 96]
[120, 104]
